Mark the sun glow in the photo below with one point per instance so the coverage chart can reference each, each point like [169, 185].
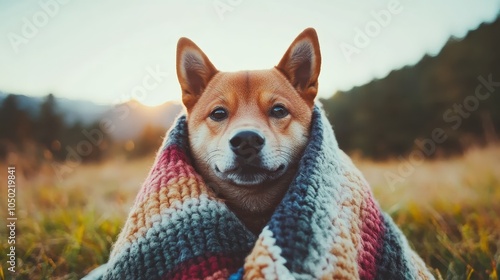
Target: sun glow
[156, 103]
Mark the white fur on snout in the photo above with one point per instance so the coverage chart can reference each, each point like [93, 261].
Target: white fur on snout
[214, 154]
[271, 157]
[270, 161]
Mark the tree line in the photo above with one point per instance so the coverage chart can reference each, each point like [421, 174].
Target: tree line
[455, 94]
[45, 136]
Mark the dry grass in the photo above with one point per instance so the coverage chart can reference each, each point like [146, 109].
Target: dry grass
[449, 209]
[65, 228]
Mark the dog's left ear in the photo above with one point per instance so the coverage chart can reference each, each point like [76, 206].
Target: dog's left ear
[301, 64]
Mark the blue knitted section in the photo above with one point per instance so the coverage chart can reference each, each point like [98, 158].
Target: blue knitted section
[238, 275]
[293, 231]
[392, 263]
[199, 228]
[177, 135]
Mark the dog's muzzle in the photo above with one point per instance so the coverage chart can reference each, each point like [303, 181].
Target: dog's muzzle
[248, 165]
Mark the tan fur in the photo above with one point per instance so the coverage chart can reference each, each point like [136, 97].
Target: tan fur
[248, 97]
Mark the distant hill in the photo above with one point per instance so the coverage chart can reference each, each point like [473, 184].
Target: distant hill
[26, 103]
[129, 118]
[72, 110]
[132, 117]
[455, 94]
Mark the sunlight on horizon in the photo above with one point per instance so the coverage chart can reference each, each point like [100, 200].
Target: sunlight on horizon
[153, 104]
[156, 104]
[104, 51]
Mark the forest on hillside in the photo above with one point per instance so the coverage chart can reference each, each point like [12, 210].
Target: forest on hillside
[453, 97]
[45, 135]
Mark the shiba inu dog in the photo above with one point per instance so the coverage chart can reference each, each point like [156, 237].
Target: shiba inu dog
[269, 154]
[248, 129]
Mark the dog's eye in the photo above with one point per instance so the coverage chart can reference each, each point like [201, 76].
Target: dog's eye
[279, 111]
[218, 114]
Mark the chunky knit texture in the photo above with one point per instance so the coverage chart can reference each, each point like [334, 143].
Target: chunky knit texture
[328, 226]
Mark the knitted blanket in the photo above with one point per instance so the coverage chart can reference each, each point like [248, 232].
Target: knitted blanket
[327, 226]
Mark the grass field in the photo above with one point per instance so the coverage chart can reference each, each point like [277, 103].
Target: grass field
[449, 209]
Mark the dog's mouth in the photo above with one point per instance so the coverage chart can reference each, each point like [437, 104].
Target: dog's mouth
[250, 174]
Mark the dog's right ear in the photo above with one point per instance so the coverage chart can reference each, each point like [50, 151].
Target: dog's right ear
[301, 64]
[194, 71]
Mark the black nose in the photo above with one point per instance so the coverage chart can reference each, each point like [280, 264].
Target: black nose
[246, 144]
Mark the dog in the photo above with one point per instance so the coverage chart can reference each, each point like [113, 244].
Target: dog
[247, 130]
[246, 134]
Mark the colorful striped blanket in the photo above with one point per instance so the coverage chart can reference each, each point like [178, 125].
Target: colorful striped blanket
[328, 225]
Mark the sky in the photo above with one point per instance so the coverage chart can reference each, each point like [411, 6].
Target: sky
[110, 51]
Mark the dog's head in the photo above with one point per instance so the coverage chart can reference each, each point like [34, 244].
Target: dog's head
[247, 129]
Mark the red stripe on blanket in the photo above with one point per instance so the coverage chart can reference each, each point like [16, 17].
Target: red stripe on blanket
[172, 164]
[206, 267]
[371, 234]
